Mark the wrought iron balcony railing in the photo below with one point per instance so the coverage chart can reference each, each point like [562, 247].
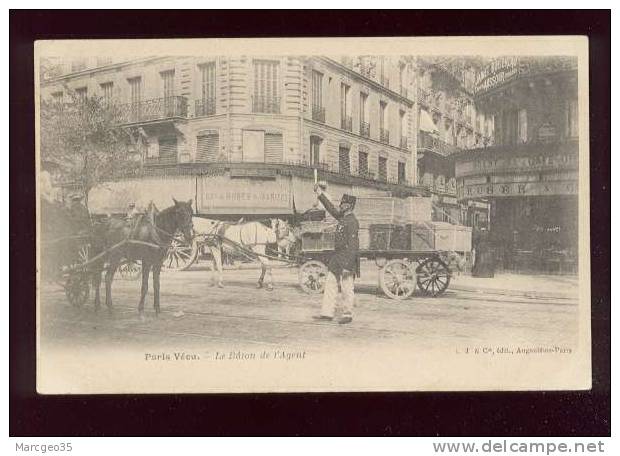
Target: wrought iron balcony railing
[346, 123]
[205, 107]
[155, 109]
[403, 142]
[267, 105]
[431, 143]
[384, 135]
[318, 113]
[364, 129]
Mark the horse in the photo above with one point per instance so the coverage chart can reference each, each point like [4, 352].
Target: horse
[287, 237]
[150, 237]
[252, 236]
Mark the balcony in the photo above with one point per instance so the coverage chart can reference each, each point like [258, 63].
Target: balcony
[266, 105]
[430, 143]
[155, 109]
[384, 135]
[346, 123]
[318, 113]
[364, 129]
[205, 107]
[404, 143]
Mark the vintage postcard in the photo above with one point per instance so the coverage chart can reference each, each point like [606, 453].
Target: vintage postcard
[310, 215]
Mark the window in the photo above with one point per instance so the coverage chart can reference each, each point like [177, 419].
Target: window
[81, 94]
[522, 126]
[344, 165]
[364, 125]
[401, 80]
[402, 126]
[315, 150]
[168, 150]
[78, 65]
[318, 111]
[207, 146]
[382, 171]
[107, 92]
[135, 94]
[345, 108]
[573, 118]
[274, 148]
[266, 87]
[167, 78]
[362, 165]
[57, 97]
[402, 175]
[384, 135]
[103, 61]
[206, 105]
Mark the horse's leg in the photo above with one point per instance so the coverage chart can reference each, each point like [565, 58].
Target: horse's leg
[156, 271]
[146, 269]
[96, 282]
[216, 253]
[265, 267]
[109, 278]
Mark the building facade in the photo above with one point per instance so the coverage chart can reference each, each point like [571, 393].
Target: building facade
[529, 172]
[245, 134]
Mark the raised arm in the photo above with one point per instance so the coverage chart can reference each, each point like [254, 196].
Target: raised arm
[327, 204]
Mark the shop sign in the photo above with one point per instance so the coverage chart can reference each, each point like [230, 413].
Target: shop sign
[498, 72]
[524, 163]
[519, 189]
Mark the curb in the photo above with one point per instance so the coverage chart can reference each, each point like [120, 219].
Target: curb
[525, 294]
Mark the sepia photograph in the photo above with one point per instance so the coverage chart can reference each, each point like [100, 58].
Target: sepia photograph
[299, 215]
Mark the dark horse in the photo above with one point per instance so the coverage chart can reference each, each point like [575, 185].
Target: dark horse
[150, 239]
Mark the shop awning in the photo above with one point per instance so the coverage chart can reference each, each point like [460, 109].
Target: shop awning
[426, 122]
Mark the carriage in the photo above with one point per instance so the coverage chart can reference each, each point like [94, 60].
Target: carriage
[409, 253]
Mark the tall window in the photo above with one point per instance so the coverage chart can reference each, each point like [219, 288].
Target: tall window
[135, 94]
[522, 126]
[344, 165]
[82, 94]
[382, 171]
[167, 78]
[384, 135]
[401, 80]
[107, 92]
[402, 127]
[206, 104]
[573, 118]
[266, 87]
[364, 125]
[345, 108]
[315, 150]
[78, 65]
[402, 175]
[362, 165]
[318, 112]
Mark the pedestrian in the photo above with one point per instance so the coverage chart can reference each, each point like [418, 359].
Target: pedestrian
[484, 263]
[79, 213]
[343, 265]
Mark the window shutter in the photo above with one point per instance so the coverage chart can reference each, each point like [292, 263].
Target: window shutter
[207, 147]
[344, 166]
[168, 150]
[274, 148]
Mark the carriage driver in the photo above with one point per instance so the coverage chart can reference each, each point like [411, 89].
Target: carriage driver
[344, 263]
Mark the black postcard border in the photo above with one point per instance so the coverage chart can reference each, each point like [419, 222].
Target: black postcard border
[567, 413]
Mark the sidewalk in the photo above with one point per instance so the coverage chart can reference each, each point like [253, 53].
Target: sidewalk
[536, 286]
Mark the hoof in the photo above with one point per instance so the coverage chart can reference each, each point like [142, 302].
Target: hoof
[269, 287]
[142, 317]
[220, 285]
[259, 285]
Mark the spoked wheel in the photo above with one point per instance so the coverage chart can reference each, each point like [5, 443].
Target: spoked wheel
[77, 289]
[312, 276]
[181, 254]
[397, 279]
[130, 269]
[433, 276]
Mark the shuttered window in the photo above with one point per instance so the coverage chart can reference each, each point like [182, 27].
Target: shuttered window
[315, 150]
[382, 172]
[344, 165]
[266, 96]
[362, 165]
[168, 150]
[207, 147]
[274, 148]
[402, 175]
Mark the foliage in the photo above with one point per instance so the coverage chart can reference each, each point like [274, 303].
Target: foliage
[83, 136]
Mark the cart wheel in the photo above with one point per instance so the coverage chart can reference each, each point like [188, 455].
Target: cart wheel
[130, 270]
[312, 276]
[77, 289]
[433, 276]
[397, 279]
[180, 255]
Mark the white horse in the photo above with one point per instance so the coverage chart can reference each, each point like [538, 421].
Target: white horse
[287, 237]
[252, 236]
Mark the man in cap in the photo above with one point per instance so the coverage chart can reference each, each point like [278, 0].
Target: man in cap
[79, 213]
[344, 263]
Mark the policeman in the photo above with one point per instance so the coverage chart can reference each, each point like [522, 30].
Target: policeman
[344, 263]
